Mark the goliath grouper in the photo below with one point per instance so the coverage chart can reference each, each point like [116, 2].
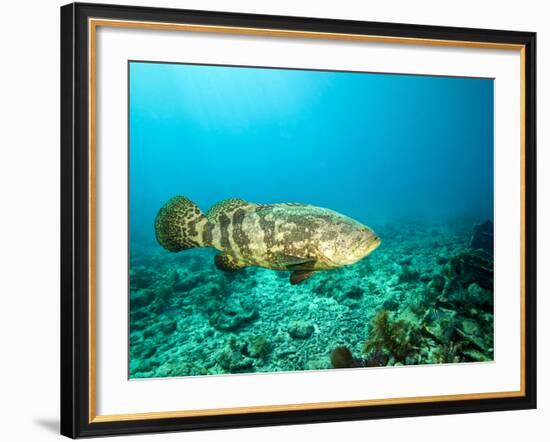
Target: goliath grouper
[296, 237]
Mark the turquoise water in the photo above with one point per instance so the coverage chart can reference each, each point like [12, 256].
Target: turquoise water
[409, 156]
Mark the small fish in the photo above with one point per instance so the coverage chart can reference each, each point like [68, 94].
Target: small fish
[296, 237]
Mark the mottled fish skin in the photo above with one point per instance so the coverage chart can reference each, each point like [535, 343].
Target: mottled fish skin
[291, 236]
[263, 235]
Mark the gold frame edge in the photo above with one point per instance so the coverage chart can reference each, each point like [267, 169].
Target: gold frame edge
[93, 23]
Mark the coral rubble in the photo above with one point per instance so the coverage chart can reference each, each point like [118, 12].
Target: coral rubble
[424, 297]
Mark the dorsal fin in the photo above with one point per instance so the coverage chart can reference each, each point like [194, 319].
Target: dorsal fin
[224, 206]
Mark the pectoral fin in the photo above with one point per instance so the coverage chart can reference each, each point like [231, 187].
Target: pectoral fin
[298, 276]
[294, 262]
[228, 263]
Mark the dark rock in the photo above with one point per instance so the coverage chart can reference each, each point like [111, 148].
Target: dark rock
[408, 275]
[174, 277]
[473, 355]
[141, 298]
[169, 326]
[233, 357]
[341, 357]
[418, 308]
[470, 332]
[300, 330]
[137, 315]
[437, 283]
[144, 367]
[141, 277]
[135, 338]
[377, 359]
[354, 293]
[233, 316]
[473, 266]
[441, 325]
[390, 304]
[446, 353]
[157, 306]
[148, 352]
[482, 237]
[164, 292]
[479, 297]
[328, 286]
[187, 284]
[351, 303]
[350, 298]
[235, 363]
[258, 346]
[425, 277]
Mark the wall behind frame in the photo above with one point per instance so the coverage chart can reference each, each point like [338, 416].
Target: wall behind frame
[29, 225]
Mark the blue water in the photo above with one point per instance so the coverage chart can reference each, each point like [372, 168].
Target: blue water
[372, 146]
[400, 153]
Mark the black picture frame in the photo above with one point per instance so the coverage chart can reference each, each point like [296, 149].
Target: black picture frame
[75, 220]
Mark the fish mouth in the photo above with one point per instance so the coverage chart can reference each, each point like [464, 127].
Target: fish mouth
[372, 244]
[367, 246]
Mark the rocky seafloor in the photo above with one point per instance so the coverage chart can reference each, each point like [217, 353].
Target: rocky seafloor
[425, 296]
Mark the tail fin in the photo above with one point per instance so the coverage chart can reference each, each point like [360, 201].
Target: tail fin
[179, 225]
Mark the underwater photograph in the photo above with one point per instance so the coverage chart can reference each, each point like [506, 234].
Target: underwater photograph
[285, 219]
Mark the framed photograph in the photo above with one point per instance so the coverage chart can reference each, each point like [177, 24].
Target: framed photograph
[276, 220]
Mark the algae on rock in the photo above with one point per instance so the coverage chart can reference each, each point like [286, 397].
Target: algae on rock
[394, 337]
